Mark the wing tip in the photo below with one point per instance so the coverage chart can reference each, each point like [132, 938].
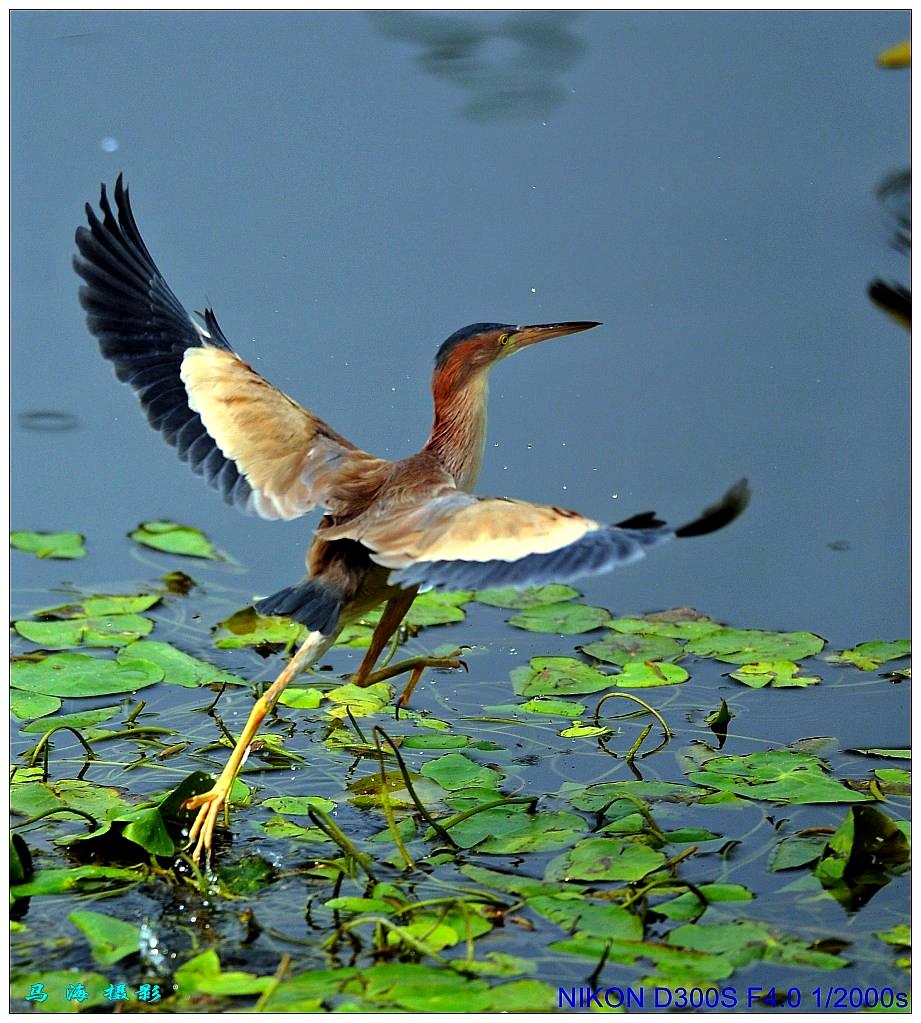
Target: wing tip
[729, 507]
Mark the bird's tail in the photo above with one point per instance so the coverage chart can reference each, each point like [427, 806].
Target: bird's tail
[311, 602]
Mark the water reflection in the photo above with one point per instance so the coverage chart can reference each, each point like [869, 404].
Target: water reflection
[509, 66]
[42, 421]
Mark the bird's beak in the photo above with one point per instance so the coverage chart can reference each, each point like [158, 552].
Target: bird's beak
[530, 335]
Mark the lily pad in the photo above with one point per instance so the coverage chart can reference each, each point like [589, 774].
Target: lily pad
[605, 859]
[688, 906]
[744, 646]
[900, 934]
[674, 626]
[27, 706]
[621, 647]
[80, 879]
[80, 719]
[174, 538]
[202, 974]
[82, 675]
[577, 730]
[437, 740]
[777, 775]
[898, 754]
[57, 984]
[869, 656]
[796, 851]
[49, 545]
[597, 920]
[455, 771]
[566, 618]
[110, 939]
[179, 668]
[558, 708]
[113, 630]
[780, 674]
[535, 596]
[301, 699]
[249, 628]
[648, 674]
[299, 805]
[511, 829]
[558, 676]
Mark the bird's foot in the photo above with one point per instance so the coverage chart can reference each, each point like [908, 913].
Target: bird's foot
[209, 806]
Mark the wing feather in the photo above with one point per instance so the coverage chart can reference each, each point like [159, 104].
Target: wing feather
[255, 445]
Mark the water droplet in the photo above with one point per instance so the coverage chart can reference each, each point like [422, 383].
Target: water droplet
[533, 291]
[108, 144]
[614, 496]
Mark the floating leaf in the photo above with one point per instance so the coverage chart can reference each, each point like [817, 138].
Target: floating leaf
[796, 851]
[110, 939]
[590, 918]
[49, 545]
[299, 805]
[900, 934]
[689, 906]
[360, 701]
[558, 676]
[899, 754]
[647, 674]
[455, 771]
[27, 706]
[777, 775]
[535, 596]
[31, 798]
[781, 674]
[748, 940]
[672, 626]
[579, 731]
[558, 708]
[439, 740]
[566, 618]
[281, 827]
[743, 646]
[80, 879]
[173, 538]
[512, 829]
[605, 859]
[301, 699]
[203, 975]
[619, 797]
[80, 719]
[114, 630]
[245, 877]
[869, 656]
[249, 628]
[179, 668]
[619, 648]
[438, 607]
[83, 675]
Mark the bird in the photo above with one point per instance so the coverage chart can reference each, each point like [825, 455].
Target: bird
[389, 527]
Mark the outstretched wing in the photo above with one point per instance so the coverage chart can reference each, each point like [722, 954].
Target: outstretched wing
[263, 452]
[458, 540]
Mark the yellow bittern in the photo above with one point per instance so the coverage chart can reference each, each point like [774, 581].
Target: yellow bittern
[390, 527]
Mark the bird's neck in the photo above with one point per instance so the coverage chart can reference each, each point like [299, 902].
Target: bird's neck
[458, 435]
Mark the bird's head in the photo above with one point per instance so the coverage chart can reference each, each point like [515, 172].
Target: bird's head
[479, 345]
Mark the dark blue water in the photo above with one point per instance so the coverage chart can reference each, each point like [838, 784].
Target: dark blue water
[347, 189]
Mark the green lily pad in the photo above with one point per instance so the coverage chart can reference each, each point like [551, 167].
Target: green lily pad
[109, 631]
[80, 719]
[49, 545]
[900, 934]
[438, 607]
[748, 940]
[796, 851]
[670, 625]
[245, 877]
[281, 827]
[511, 829]
[604, 859]
[100, 605]
[249, 628]
[202, 974]
[777, 775]
[455, 771]
[82, 675]
[566, 618]
[649, 674]
[298, 805]
[437, 931]
[110, 939]
[535, 596]
[301, 699]
[898, 754]
[617, 798]
[27, 706]
[689, 906]
[437, 740]
[557, 708]
[558, 676]
[30, 798]
[579, 731]
[869, 656]
[80, 879]
[621, 647]
[744, 646]
[179, 668]
[360, 701]
[174, 538]
[781, 674]
[597, 920]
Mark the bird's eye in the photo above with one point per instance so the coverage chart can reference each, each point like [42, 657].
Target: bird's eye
[504, 339]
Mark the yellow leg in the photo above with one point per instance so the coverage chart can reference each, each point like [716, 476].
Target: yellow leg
[394, 613]
[209, 803]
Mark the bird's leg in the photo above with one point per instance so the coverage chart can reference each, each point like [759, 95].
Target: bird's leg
[394, 613]
[209, 803]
